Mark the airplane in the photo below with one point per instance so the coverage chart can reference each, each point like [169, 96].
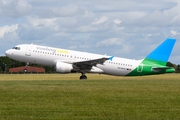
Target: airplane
[66, 61]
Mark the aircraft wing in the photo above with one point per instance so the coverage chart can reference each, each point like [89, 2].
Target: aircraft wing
[87, 65]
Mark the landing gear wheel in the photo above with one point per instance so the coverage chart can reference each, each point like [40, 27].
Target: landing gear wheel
[25, 70]
[83, 77]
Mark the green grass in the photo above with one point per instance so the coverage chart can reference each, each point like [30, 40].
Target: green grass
[56, 96]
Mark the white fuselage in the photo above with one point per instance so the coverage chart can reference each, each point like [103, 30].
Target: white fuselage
[49, 56]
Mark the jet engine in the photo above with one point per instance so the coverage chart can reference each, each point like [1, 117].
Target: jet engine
[63, 67]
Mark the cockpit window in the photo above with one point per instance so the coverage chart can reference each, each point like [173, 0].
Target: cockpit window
[16, 48]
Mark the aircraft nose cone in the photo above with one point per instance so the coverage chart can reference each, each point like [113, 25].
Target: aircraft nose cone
[7, 53]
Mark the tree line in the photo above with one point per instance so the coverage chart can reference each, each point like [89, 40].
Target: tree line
[6, 63]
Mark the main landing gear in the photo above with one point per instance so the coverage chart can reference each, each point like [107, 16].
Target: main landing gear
[83, 76]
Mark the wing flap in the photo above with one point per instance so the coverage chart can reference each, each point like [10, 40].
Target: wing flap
[87, 65]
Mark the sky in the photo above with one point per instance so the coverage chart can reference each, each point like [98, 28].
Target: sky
[122, 28]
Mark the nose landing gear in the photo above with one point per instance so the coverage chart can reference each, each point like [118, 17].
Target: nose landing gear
[25, 70]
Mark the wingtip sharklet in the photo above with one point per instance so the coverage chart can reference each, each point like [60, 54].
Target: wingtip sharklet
[111, 58]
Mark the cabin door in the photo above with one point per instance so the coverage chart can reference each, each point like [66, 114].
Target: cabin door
[140, 68]
[28, 50]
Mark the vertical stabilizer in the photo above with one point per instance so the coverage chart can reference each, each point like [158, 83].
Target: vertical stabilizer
[163, 51]
[155, 62]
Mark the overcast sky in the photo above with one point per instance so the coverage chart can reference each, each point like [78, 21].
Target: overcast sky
[122, 28]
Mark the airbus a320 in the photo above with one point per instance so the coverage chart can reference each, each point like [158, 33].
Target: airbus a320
[66, 61]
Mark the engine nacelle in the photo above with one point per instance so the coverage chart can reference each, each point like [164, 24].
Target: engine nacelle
[63, 67]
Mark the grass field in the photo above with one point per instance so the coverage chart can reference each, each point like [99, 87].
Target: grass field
[64, 96]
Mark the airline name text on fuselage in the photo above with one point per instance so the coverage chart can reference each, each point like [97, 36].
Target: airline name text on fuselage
[52, 50]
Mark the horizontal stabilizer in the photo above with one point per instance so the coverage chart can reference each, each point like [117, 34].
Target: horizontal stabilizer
[155, 69]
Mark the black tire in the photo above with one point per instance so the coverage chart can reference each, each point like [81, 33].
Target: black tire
[83, 77]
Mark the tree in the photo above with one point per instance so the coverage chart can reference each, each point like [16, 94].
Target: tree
[5, 63]
[178, 68]
[1, 69]
[169, 64]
